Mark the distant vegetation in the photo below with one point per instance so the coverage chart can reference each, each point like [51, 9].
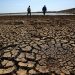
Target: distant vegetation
[69, 11]
[72, 10]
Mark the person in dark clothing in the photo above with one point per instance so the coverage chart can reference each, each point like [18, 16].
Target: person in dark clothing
[44, 9]
[29, 11]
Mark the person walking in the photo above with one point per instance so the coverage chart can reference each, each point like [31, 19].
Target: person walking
[29, 11]
[44, 9]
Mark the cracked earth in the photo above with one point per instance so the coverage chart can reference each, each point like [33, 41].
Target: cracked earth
[37, 45]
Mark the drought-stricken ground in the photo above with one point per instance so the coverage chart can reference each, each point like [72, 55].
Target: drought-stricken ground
[37, 45]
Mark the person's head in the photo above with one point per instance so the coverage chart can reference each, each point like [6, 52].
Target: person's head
[29, 5]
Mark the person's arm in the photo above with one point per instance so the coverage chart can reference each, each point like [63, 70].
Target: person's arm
[30, 9]
[42, 9]
[27, 9]
[46, 9]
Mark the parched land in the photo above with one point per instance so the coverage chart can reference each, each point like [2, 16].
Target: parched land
[40, 45]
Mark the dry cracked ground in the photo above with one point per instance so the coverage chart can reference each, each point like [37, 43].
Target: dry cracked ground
[40, 45]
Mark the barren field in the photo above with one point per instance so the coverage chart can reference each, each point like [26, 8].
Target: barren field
[40, 45]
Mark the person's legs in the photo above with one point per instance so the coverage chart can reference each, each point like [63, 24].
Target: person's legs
[30, 14]
[44, 12]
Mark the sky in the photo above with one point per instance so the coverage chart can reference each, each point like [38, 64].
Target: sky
[14, 6]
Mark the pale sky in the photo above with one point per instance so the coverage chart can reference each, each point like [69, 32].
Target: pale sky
[12, 6]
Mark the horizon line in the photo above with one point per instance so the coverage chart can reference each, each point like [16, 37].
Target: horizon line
[33, 11]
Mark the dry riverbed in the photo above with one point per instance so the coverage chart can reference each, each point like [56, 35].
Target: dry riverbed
[37, 45]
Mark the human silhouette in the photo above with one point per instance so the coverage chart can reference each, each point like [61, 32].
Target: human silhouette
[44, 9]
[29, 11]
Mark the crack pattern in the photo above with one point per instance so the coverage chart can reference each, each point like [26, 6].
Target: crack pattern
[41, 46]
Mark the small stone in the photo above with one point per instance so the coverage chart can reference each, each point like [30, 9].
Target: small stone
[72, 65]
[23, 45]
[64, 41]
[64, 70]
[22, 64]
[30, 64]
[22, 72]
[7, 54]
[73, 45]
[22, 55]
[32, 72]
[43, 62]
[44, 56]
[53, 74]
[8, 70]
[38, 57]
[27, 48]
[67, 67]
[30, 55]
[52, 41]
[57, 40]
[58, 45]
[42, 41]
[45, 37]
[38, 42]
[72, 42]
[4, 62]
[34, 51]
[32, 43]
[60, 60]
[37, 39]
[69, 62]
[15, 42]
[14, 52]
[42, 69]
[21, 59]
[62, 73]
[45, 33]
[65, 46]
[10, 63]
[44, 46]
[1, 71]
[36, 47]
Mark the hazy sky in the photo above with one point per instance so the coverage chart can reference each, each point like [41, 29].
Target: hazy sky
[10, 6]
